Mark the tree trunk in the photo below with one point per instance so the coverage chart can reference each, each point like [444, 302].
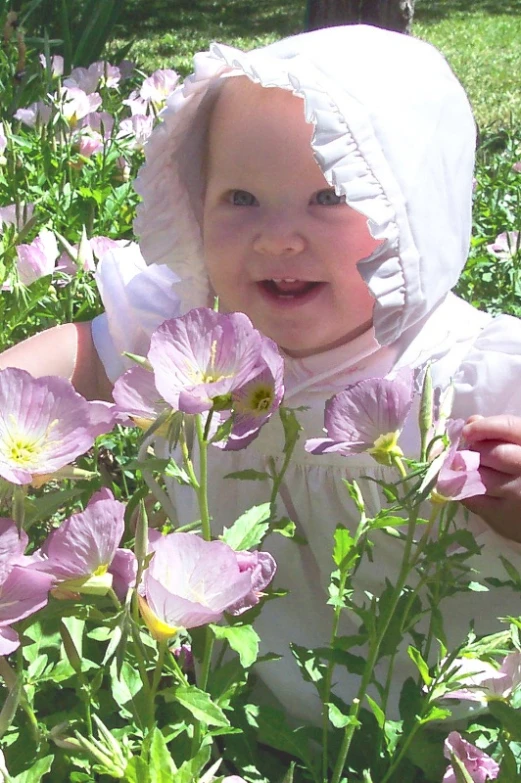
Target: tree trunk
[391, 14]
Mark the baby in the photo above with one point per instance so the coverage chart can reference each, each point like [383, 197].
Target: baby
[323, 186]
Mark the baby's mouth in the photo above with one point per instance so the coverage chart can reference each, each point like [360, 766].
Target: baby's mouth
[288, 287]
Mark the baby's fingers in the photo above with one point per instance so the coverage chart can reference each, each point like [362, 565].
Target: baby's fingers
[504, 427]
[499, 456]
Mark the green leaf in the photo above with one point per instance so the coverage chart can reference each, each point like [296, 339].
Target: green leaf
[377, 711]
[509, 717]
[249, 529]
[201, 706]
[127, 691]
[35, 773]
[161, 765]
[343, 548]
[272, 729]
[173, 470]
[286, 527]
[292, 428]
[420, 663]
[338, 719]
[242, 639]
[248, 475]
[310, 665]
[137, 771]
[477, 587]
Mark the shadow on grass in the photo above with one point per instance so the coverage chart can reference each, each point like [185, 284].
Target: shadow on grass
[435, 10]
[210, 18]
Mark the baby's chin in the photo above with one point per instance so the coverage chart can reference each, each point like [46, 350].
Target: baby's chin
[305, 351]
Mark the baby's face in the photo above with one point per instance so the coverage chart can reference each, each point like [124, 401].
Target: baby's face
[279, 245]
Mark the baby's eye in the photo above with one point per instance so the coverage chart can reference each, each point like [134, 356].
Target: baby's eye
[242, 198]
[327, 198]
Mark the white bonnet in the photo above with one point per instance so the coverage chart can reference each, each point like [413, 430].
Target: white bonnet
[393, 132]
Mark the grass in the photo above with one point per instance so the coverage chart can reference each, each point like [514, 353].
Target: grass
[480, 38]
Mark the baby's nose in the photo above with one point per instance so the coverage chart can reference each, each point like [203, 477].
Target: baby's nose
[279, 239]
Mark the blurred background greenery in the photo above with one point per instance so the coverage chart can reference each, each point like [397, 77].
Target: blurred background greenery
[480, 38]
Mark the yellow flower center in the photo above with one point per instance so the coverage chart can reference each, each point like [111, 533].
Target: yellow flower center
[22, 449]
[258, 401]
[385, 448]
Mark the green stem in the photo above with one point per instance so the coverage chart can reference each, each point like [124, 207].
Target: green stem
[140, 657]
[279, 477]
[374, 650]
[179, 673]
[162, 648]
[202, 492]
[398, 464]
[328, 682]
[187, 462]
[202, 682]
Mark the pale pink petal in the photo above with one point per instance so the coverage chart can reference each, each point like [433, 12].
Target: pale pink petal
[24, 592]
[12, 547]
[261, 567]
[478, 764]
[203, 355]
[38, 258]
[159, 85]
[136, 395]
[357, 417]
[87, 541]
[124, 571]
[9, 640]
[459, 475]
[44, 425]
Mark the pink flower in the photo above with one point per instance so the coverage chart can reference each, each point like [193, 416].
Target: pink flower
[100, 121]
[126, 69]
[261, 566]
[22, 589]
[44, 425]
[506, 245]
[56, 65]
[192, 582]
[136, 396]
[89, 142]
[79, 555]
[136, 130]
[38, 258]
[3, 139]
[255, 401]
[16, 214]
[478, 764]
[157, 87]
[204, 355]
[76, 104]
[480, 680]
[88, 79]
[367, 416]
[83, 254]
[459, 475]
[517, 167]
[136, 104]
[38, 113]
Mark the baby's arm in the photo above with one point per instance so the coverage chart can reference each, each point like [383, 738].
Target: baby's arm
[67, 351]
[498, 440]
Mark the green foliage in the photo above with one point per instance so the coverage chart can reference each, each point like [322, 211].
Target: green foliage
[77, 30]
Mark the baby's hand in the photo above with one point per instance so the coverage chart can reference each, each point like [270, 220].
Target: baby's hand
[498, 440]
